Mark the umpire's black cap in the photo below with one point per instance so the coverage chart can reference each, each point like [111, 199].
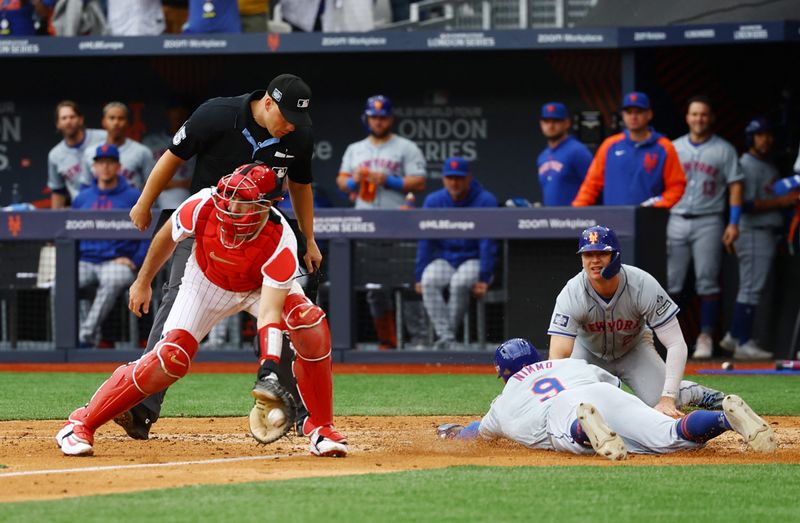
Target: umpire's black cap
[293, 97]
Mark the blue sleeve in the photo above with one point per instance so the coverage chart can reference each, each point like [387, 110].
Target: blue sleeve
[488, 248]
[138, 256]
[470, 431]
[424, 257]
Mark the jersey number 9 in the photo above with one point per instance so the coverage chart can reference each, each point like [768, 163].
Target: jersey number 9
[547, 388]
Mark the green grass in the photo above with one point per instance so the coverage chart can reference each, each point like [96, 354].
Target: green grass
[55, 395]
[727, 493]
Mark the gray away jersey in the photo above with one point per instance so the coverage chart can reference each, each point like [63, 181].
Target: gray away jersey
[65, 166]
[710, 167]
[758, 179]
[520, 412]
[397, 157]
[136, 160]
[610, 330]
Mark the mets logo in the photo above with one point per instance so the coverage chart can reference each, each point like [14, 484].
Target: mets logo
[593, 237]
[454, 165]
[650, 161]
[378, 104]
[14, 224]
[550, 108]
[634, 97]
[273, 41]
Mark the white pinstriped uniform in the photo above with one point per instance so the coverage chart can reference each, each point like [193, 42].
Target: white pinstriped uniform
[201, 304]
[537, 408]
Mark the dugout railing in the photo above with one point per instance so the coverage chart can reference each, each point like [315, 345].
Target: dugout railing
[537, 258]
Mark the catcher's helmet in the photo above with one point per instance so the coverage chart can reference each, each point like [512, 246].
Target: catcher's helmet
[512, 355]
[378, 105]
[243, 199]
[755, 126]
[600, 238]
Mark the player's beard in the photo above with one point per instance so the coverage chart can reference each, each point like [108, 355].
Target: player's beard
[380, 135]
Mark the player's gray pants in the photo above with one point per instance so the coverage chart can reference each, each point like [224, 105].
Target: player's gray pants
[644, 430]
[697, 239]
[111, 279]
[643, 370]
[755, 249]
[447, 317]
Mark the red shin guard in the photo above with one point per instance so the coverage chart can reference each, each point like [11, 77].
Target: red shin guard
[315, 384]
[131, 383]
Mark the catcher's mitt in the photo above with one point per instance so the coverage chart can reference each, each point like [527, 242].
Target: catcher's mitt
[274, 412]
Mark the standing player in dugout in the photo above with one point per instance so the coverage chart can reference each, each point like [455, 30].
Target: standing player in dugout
[273, 127]
[244, 259]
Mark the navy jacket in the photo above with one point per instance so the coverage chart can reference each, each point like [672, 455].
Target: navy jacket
[457, 251]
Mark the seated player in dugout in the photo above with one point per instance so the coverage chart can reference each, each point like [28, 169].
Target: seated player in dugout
[568, 405]
[607, 315]
[245, 259]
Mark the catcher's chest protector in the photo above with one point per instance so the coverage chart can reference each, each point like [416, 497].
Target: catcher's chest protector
[239, 269]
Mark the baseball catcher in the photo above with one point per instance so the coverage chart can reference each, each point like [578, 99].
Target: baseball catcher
[244, 259]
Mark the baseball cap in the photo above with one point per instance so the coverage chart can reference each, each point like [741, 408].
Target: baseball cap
[758, 125]
[293, 97]
[636, 99]
[554, 111]
[455, 166]
[107, 150]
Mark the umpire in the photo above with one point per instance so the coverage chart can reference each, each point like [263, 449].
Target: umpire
[273, 127]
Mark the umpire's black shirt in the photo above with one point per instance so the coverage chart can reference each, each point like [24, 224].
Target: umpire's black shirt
[224, 135]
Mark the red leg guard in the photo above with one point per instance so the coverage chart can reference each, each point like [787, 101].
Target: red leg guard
[307, 326]
[311, 340]
[133, 382]
[315, 384]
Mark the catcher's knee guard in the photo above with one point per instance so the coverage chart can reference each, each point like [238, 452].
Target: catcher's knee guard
[133, 382]
[308, 328]
[166, 363]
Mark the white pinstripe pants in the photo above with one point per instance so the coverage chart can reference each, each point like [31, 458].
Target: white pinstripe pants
[200, 304]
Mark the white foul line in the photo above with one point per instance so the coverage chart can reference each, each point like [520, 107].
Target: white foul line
[139, 466]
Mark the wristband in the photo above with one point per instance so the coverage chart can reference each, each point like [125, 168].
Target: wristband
[352, 185]
[736, 214]
[394, 182]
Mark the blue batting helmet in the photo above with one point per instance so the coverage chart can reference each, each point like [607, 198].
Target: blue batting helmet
[755, 126]
[604, 239]
[378, 105]
[512, 355]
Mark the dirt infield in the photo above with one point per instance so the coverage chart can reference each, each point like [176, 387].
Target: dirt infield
[192, 451]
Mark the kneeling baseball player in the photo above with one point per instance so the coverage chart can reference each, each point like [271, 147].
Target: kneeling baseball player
[244, 259]
[557, 405]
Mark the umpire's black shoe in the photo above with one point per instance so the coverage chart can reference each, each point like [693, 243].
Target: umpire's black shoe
[136, 423]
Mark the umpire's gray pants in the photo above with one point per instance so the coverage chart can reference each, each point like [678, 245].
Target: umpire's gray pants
[643, 370]
[698, 239]
[755, 249]
[170, 291]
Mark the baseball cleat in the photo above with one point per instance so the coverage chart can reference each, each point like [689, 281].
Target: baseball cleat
[136, 426]
[758, 435]
[75, 440]
[605, 441]
[749, 350]
[728, 343]
[703, 348]
[326, 442]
